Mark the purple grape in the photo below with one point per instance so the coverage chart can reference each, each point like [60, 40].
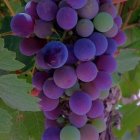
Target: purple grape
[71, 57]
[84, 49]
[120, 38]
[51, 123]
[30, 9]
[100, 42]
[90, 10]
[84, 27]
[91, 89]
[51, 90]
[43, 29]
[96, 110]
[67, 18]
[53, 55]
[54, 114]
[52, 133]
[47, 9]
[86, 71]
[78, 120]
[88, 132]
[103, 81]
[47, 104]
[109, 8]
[38, 79]
[112, 46]
[22, 25]
[77, 4]
[107, 63]
[103, 26]
[40, 62]
[80, 103]
[30, 46]
[65, 77]
[112, 32]
[118, 21]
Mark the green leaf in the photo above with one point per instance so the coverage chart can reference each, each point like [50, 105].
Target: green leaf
[131, 118]
[130, 82]
[127, 60]
[7, 59]
[5, 121]
[14, 92]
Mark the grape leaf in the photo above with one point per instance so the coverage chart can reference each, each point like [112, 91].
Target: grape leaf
[130, 120]
[127, 60]
[14, 91]
[7, 59]
[5, 121]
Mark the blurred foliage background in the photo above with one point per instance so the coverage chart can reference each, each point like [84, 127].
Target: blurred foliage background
[20, 117]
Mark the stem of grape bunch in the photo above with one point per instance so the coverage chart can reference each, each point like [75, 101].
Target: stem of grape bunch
[12, 13]
[74, 65]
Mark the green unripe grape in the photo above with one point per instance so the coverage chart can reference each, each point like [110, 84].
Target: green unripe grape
[103, 22]
[99, 124]
[70, 133]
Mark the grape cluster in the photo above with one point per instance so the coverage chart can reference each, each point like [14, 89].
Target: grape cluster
[73, 42]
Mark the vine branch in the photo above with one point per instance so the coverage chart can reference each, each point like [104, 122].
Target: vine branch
[12, 13]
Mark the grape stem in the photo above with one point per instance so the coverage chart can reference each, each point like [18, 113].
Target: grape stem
[6, 34]
[12, 13]
[130, 12]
